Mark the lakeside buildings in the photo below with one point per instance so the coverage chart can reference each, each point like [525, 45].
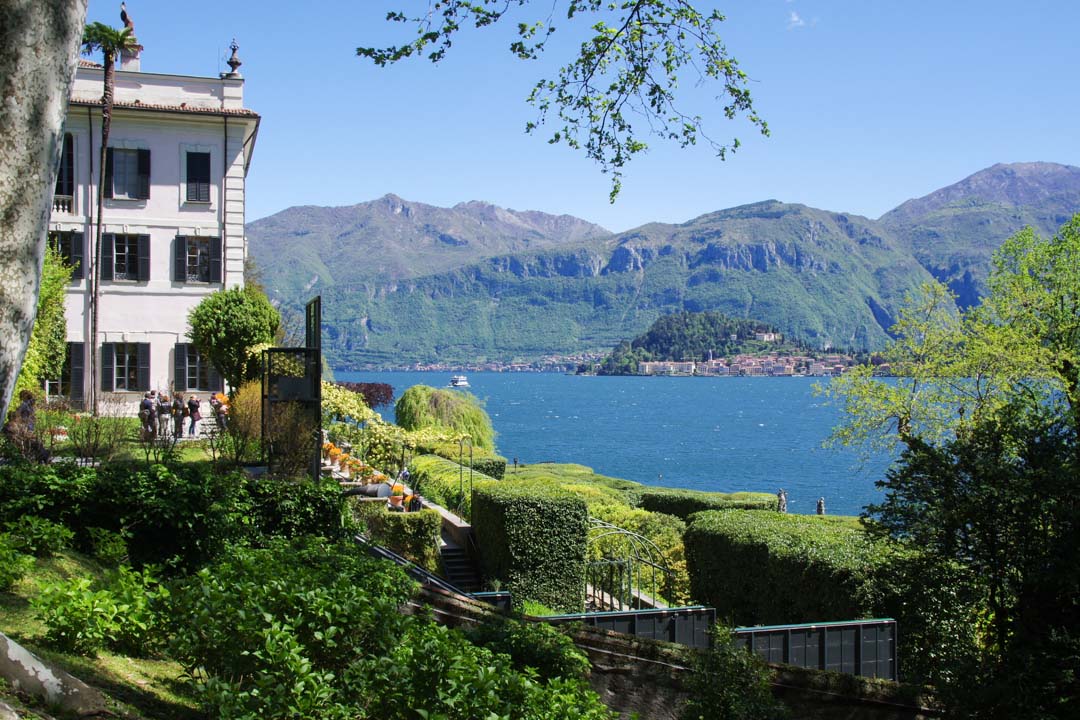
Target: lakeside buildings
[178, 155]
[770, 365]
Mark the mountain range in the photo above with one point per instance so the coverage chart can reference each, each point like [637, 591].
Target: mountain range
[406, 282]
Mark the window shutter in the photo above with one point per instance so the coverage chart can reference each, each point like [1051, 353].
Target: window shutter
[76, 255]
[180, 259]
[144, 174]
[106, 265]
[144, 258]
[108, 172]
[180, 367]
[143, 375]
[108, 366]
[215, 259]
[78, 362]
[65, 176]
[216, 383]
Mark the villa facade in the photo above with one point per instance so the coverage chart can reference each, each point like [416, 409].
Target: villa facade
[173, 232]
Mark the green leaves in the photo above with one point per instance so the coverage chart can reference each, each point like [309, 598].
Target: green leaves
[227, 324]
[630, 65]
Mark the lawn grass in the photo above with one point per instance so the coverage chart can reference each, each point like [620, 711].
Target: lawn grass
[138, 687]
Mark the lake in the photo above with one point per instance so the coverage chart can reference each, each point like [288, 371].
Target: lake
[725, 434]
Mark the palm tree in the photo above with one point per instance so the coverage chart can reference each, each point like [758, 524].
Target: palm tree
[110, 42]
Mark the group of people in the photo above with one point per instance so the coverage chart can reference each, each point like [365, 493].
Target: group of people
[781, 502]
[157, 412]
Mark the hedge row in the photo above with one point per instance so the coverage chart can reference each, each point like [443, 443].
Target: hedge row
[444, 482]
[481, 461]
[684, 503]
[764, 567]
[413, 535]
[533, 540]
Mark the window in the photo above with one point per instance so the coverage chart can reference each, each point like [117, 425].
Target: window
[193, 371]
[65, 177]
[125, 367]
[70, 246]
[198, 177]
[197, 259]
[125, 257]
[127, 173]
[70, 382]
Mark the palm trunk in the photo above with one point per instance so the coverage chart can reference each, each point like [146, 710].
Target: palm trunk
[95, 282]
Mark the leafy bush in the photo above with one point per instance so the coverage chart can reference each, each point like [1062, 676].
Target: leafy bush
[13, 564]
[730, 683]
[108, 547]
[139, 597]
[294, 508]
[664, 531]
[684, 503]
[100, 436]
[769, 568]
[533, 539]
[481, 460]
[56, 492]
[539, 646]
[414, 535]
[80, 619]
[425, 406]
[38, 536]
[446, 483]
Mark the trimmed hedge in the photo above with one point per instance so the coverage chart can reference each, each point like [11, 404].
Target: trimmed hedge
[533, 538]
[764, 567]
[443, 482]
[414, 535]
[483, 460]
[684, 503]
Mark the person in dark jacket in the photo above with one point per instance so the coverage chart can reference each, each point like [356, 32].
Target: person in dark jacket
[178, 410]
[148, 415]
[194, 415]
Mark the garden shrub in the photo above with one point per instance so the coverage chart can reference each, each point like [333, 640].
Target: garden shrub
[445, 483]
[424, 406]
[38, 536]
[730, 683]
[684, 503]
[764, 567]
[139, 597]
[56, 492]
[532, 538]
[414, 535]
[294, 508]
[80, 618]
[535, 645]
[665, 532]
[108, 547]
[482, 460]
[13, 564]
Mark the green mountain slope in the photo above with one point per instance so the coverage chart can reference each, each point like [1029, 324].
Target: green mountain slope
[825, 278]
[954, 231]
[303, 251]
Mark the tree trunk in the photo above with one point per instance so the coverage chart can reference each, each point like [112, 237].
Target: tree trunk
[95, 271]
[39, 44]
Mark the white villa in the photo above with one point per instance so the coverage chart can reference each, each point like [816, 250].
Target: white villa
[178, 156]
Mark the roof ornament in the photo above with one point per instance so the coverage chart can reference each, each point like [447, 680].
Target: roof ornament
[234, 61]
[126, 19]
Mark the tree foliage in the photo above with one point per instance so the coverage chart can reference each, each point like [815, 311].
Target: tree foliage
[423, 406]
[48, 341]
[227, 324]
[374, 394]
[630, 64]
[1021, 344]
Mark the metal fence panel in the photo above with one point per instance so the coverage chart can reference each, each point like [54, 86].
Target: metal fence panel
[863, 647]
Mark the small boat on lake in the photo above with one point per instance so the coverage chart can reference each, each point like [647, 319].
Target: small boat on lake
[459, 381]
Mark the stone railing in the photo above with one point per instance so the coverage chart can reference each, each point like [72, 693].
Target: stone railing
[63, 204]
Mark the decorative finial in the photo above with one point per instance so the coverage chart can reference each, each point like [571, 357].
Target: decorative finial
[234, 61]
[126, 19]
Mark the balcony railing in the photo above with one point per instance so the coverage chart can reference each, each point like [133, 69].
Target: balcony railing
[63, 204]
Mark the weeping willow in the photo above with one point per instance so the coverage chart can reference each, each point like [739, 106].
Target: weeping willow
[422, 406]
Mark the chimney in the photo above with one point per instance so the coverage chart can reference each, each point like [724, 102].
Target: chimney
[129, 59]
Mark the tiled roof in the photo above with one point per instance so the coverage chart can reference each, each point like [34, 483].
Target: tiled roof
[182, 108]
[89, 64]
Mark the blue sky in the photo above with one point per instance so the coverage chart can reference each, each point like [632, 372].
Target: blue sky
[870, 103]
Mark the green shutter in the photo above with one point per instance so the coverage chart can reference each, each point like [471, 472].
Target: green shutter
[180, 259]
[108, 367]
[105, 271]
[144, 258]
[180, 367]
[143, 372]
[144, 174]
[108, 172]
[76, 256]
[215, 259]
[78, 363]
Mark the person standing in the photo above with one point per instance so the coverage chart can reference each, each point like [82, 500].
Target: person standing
[821, 506]
[148, 415]
[178, 413]
[194, 416]
[164, 413]
[781, 500]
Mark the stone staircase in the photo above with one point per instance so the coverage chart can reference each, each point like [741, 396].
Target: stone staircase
[458, 568]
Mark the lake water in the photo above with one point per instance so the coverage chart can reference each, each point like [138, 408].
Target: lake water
[724, 434]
